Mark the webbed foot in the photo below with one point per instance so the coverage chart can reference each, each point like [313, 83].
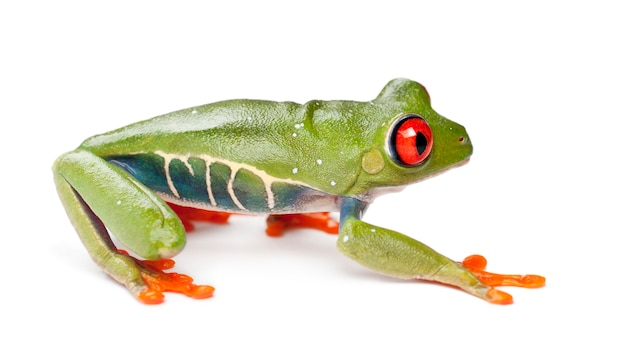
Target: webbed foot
[277, 223]
[477, 264]
[156, 281]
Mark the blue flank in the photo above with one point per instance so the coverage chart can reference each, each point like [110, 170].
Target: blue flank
[248, 188]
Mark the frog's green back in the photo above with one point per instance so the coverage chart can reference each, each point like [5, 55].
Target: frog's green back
[285, 140]
[320, 144]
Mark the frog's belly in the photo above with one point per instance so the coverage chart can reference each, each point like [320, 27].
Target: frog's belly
[286, 200]
[222, 186]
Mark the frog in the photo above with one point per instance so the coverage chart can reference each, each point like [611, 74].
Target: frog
[149, 183]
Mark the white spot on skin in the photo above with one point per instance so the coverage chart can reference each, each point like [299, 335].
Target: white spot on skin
[295, 170]
[194, 111]
[345, 238]
[119, 202]
[373, 230]
[333, 183]
[319, 161]
[298, 125]
[294, 134]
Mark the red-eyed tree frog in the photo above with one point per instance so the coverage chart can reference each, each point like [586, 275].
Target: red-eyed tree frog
[147, 182]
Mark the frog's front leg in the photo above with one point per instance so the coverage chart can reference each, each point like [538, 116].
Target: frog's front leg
[394, 254]
[97, 194]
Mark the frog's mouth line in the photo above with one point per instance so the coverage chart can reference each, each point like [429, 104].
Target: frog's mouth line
[443, 170]
[378, 191]
[461, 163]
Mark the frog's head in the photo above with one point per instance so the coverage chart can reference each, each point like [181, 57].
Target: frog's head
[411, 143]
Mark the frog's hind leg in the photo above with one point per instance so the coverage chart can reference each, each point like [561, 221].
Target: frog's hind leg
[96, 194]
[277, 223]
[189, 215]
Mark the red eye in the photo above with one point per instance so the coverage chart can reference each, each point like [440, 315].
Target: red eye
[411, 141]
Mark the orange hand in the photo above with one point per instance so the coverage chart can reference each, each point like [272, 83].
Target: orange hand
[496, 296]
[477, 264]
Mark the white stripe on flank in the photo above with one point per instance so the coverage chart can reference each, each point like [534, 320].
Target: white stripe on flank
[231, 192]
[235, 167]
[208, 183]
[167, 159]
[186, 162]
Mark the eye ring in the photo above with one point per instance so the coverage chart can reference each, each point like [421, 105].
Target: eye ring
[410, 141]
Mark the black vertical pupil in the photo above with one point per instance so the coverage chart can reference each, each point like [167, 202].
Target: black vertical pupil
[421, 142]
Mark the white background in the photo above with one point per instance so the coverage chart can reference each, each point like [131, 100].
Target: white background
[538, 85]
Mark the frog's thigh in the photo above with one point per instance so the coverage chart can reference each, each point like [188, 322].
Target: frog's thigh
[137, 217]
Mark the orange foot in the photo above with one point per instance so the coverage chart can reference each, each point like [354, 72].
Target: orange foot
[158, 281]
[188, 215]
[277, 223]
[476, 264]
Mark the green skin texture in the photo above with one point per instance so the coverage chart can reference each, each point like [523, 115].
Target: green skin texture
[350, 138]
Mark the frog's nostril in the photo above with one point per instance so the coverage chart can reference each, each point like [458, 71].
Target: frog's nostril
[461, 139]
